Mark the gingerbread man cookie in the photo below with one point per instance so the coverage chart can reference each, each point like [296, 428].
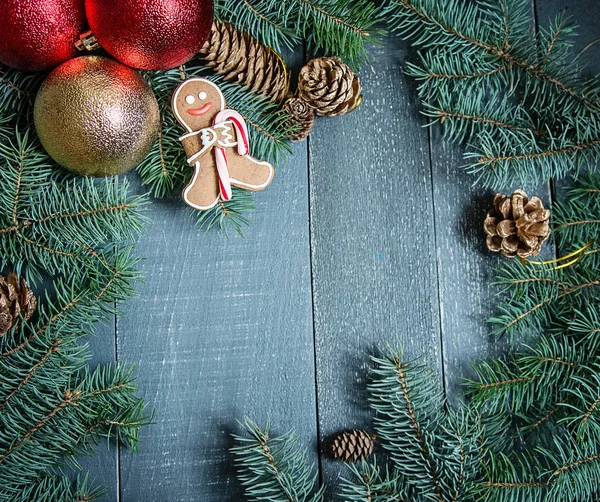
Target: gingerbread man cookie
[216, 144]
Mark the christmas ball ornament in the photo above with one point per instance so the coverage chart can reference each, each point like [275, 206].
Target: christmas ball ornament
[37, 35]
[151, 34]
[96, 117]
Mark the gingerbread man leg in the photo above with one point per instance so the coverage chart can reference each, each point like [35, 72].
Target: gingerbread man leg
[247, 172]
[202, 192]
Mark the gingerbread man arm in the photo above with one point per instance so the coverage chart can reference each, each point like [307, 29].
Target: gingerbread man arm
[244, 171]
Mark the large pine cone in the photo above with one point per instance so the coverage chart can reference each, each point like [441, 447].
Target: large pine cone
[329, 86]
[15, 298]
[353, 445]
[302, 118]
[517, 226]
[242, 59]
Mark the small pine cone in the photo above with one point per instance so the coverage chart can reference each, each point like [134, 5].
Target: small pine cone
[242, 59]
[302, 118]
[353, 445]
[517, 226]
[329, 86]
[15, 298]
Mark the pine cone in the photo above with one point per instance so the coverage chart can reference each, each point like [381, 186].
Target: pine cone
[517, 226]
[302, 117]
[329, 86]
[15, 298]
[242, 59]
[353, 445]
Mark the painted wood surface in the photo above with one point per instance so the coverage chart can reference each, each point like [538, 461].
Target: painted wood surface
[373, 241]
[370, 233]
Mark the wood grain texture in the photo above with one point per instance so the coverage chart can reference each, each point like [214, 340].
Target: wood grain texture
[466, 267]
[103, 466]
[372, 231]
[223, 327]
[464, 263]
[394, 249]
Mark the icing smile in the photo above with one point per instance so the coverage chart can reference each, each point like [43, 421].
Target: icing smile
[196, 112]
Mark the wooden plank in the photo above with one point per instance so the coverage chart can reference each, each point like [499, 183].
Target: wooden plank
[223, 327]
[465, 264]
[373, 247]
[467, 299]
[103, 466]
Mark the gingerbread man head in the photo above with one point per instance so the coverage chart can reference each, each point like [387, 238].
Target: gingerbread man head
[196, 102]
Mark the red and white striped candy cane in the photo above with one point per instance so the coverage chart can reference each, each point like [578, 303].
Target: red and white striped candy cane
[243, 147]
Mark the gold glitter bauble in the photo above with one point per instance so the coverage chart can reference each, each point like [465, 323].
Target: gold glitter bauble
[96, 117]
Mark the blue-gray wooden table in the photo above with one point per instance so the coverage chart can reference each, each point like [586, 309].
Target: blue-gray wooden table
[371, 232]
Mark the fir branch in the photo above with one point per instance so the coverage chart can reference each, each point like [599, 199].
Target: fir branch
[577, 220]
[68, 399]
[400, 421]
[54, 348]
[263, 20]
[581, 408]
[56, 488]
[466, 117]
[228, 214]
[59, 227]
[475, 55]
[459, 26]
[436, 450]
[165, 168]
[370, 483]
[273, 469]
[58, 426]
[342, 28]
[17, 92]
[533, 380]
[540, 293]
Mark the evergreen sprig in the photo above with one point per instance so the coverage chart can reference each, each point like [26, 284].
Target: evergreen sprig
[261, 19]
[337, 27]
[519, 99]
[78, 232]
[370, 482]
[59, 227]
[342, 28]
[436, 451]
[58, 488]
[274, 468]
[17, 91]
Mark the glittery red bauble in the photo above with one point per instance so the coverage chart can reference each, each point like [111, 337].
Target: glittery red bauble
[150, 34]
[39, 34]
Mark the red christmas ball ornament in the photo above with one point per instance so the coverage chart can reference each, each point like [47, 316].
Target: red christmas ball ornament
[150, 34]
[37, 35]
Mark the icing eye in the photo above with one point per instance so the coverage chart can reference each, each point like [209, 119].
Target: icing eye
[202, 95]
[190, 99]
